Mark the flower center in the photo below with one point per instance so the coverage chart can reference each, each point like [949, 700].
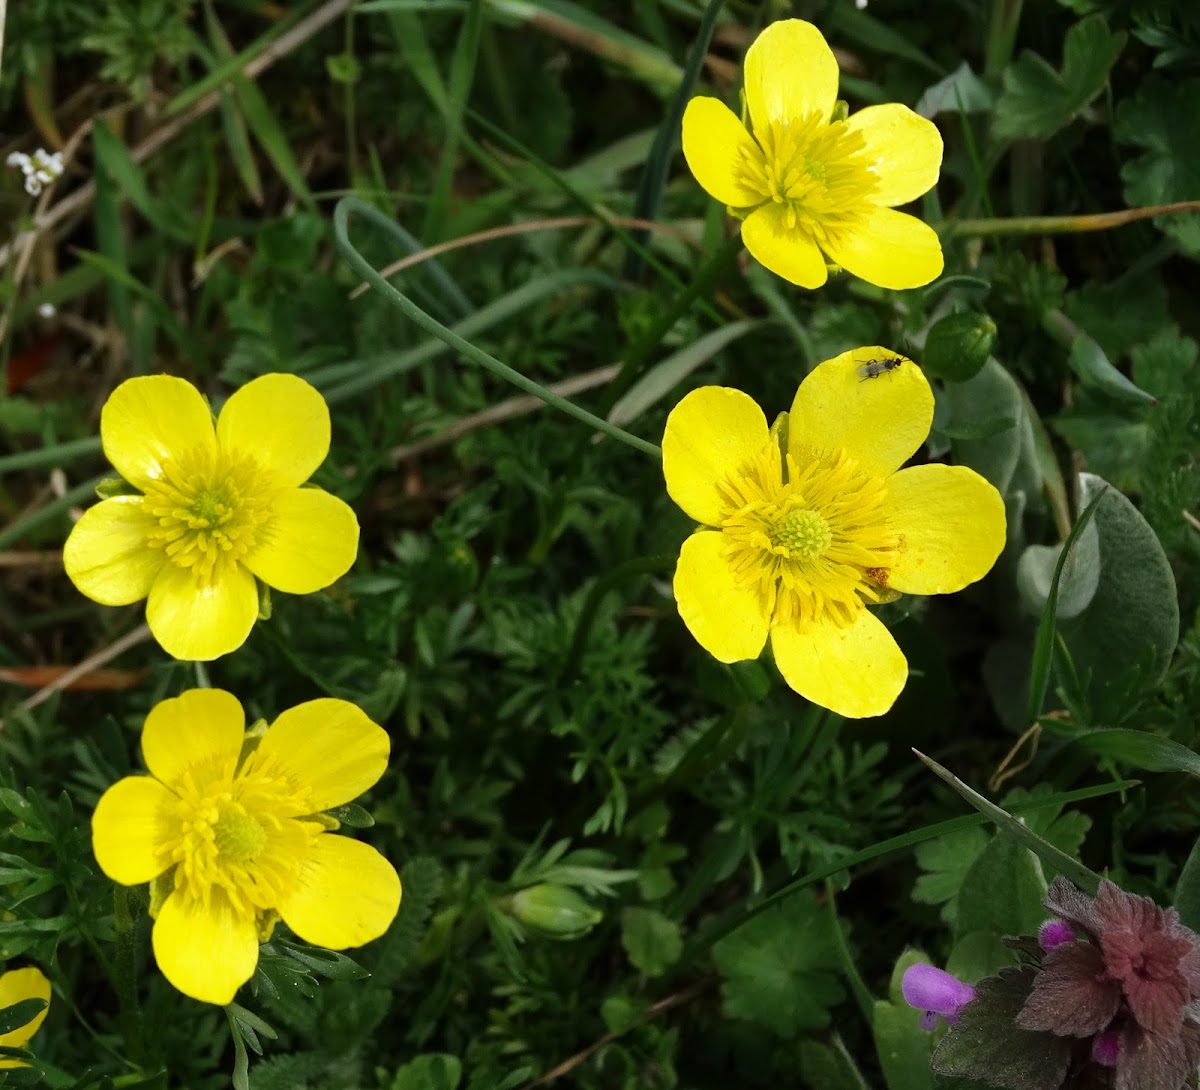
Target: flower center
[804, 534]
[817, 171]
[240, 836]
[209, 509]
[809, 535]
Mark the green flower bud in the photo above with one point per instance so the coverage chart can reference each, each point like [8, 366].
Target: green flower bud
[558, 912]
[958, 346]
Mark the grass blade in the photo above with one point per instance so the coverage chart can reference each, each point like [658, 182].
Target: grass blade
[666, 140]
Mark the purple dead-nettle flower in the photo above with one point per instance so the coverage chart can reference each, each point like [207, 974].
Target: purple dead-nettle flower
[1130, 985]
[1054, 933]
[935, 992]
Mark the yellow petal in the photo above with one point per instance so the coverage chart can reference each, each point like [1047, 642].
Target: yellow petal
[198, 622]
[787, 251]
[106, 555]
[328, 750]
[711, 433]
[951, 526]
[206, 950]
[790, 71]
[880, 421]
[151, 420]
[905, 150]
[714, 144]
[349, 895]
[889, 249]
[310, 541]
[729, 622]
[16, 986]
[855, 671]
[132, 819]
[196, 736]
[281, 422]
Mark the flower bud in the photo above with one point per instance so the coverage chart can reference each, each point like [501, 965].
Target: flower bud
[557, 911]
[1054, 933]
[958, 346]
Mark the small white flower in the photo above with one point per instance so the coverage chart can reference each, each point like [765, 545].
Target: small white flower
[860, 4]
[46, 310]
[40, 169]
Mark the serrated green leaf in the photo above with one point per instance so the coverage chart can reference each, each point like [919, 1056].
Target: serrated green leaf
[652, 940]
[432, 1071]
[987, 1043]
[1037, 101]
[779, 969]
[1002, 892]
[1160, 117]
[947, 861]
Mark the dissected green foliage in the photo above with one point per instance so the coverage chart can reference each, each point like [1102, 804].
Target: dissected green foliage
[586, 810]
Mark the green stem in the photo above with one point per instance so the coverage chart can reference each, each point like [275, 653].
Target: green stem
[642, 565]
[1001, 36]
[862, 994]
[125, 978]
[202, 679]
[348, 206]
[1060, 225]
[50, 456]
[54, 509]
[639, 354]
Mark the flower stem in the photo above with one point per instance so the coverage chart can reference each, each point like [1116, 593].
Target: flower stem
[1059, 225]
[639, 354]
[202, 679]
[1001, 36]
[348, 206]
[125, 969]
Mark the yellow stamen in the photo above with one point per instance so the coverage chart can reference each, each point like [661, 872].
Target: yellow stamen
[814, 543]
[818, 171]
[210, 508]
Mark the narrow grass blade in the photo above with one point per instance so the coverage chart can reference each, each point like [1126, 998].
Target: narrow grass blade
[1043, 646]
[462, 76]
[666, 141]
[663, 377]
[1149, 751]
[238, 142]
[1083, 877]
[131, 182]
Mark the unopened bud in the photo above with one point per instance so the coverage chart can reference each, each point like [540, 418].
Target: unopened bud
[557, 911]
[958, 346]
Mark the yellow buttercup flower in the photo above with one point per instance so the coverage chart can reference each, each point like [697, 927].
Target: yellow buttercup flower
[219, 506]
[805, 184]
[229, 828]
[16, 986]
[808, 524]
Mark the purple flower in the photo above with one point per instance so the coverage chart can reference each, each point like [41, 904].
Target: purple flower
[1130, 985]
[935, 992]
[1054, 933]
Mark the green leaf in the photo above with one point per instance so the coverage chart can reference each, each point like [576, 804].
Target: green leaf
[824, 1067]
[432, 1071]
[1160, 117]
[1149, 751]
[343, 68]
[1044, 642]
[1084, 878]
[903, 1047]
[947, 861]
[1187, 891]
[1132, 623]
[1002, 892]
[780, 968]
[114, 157]
[20, 1014]
[1037, 101]
[987, 1044]
[960, 92]
[652, 941]
[1080, 575]
[991, 395]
